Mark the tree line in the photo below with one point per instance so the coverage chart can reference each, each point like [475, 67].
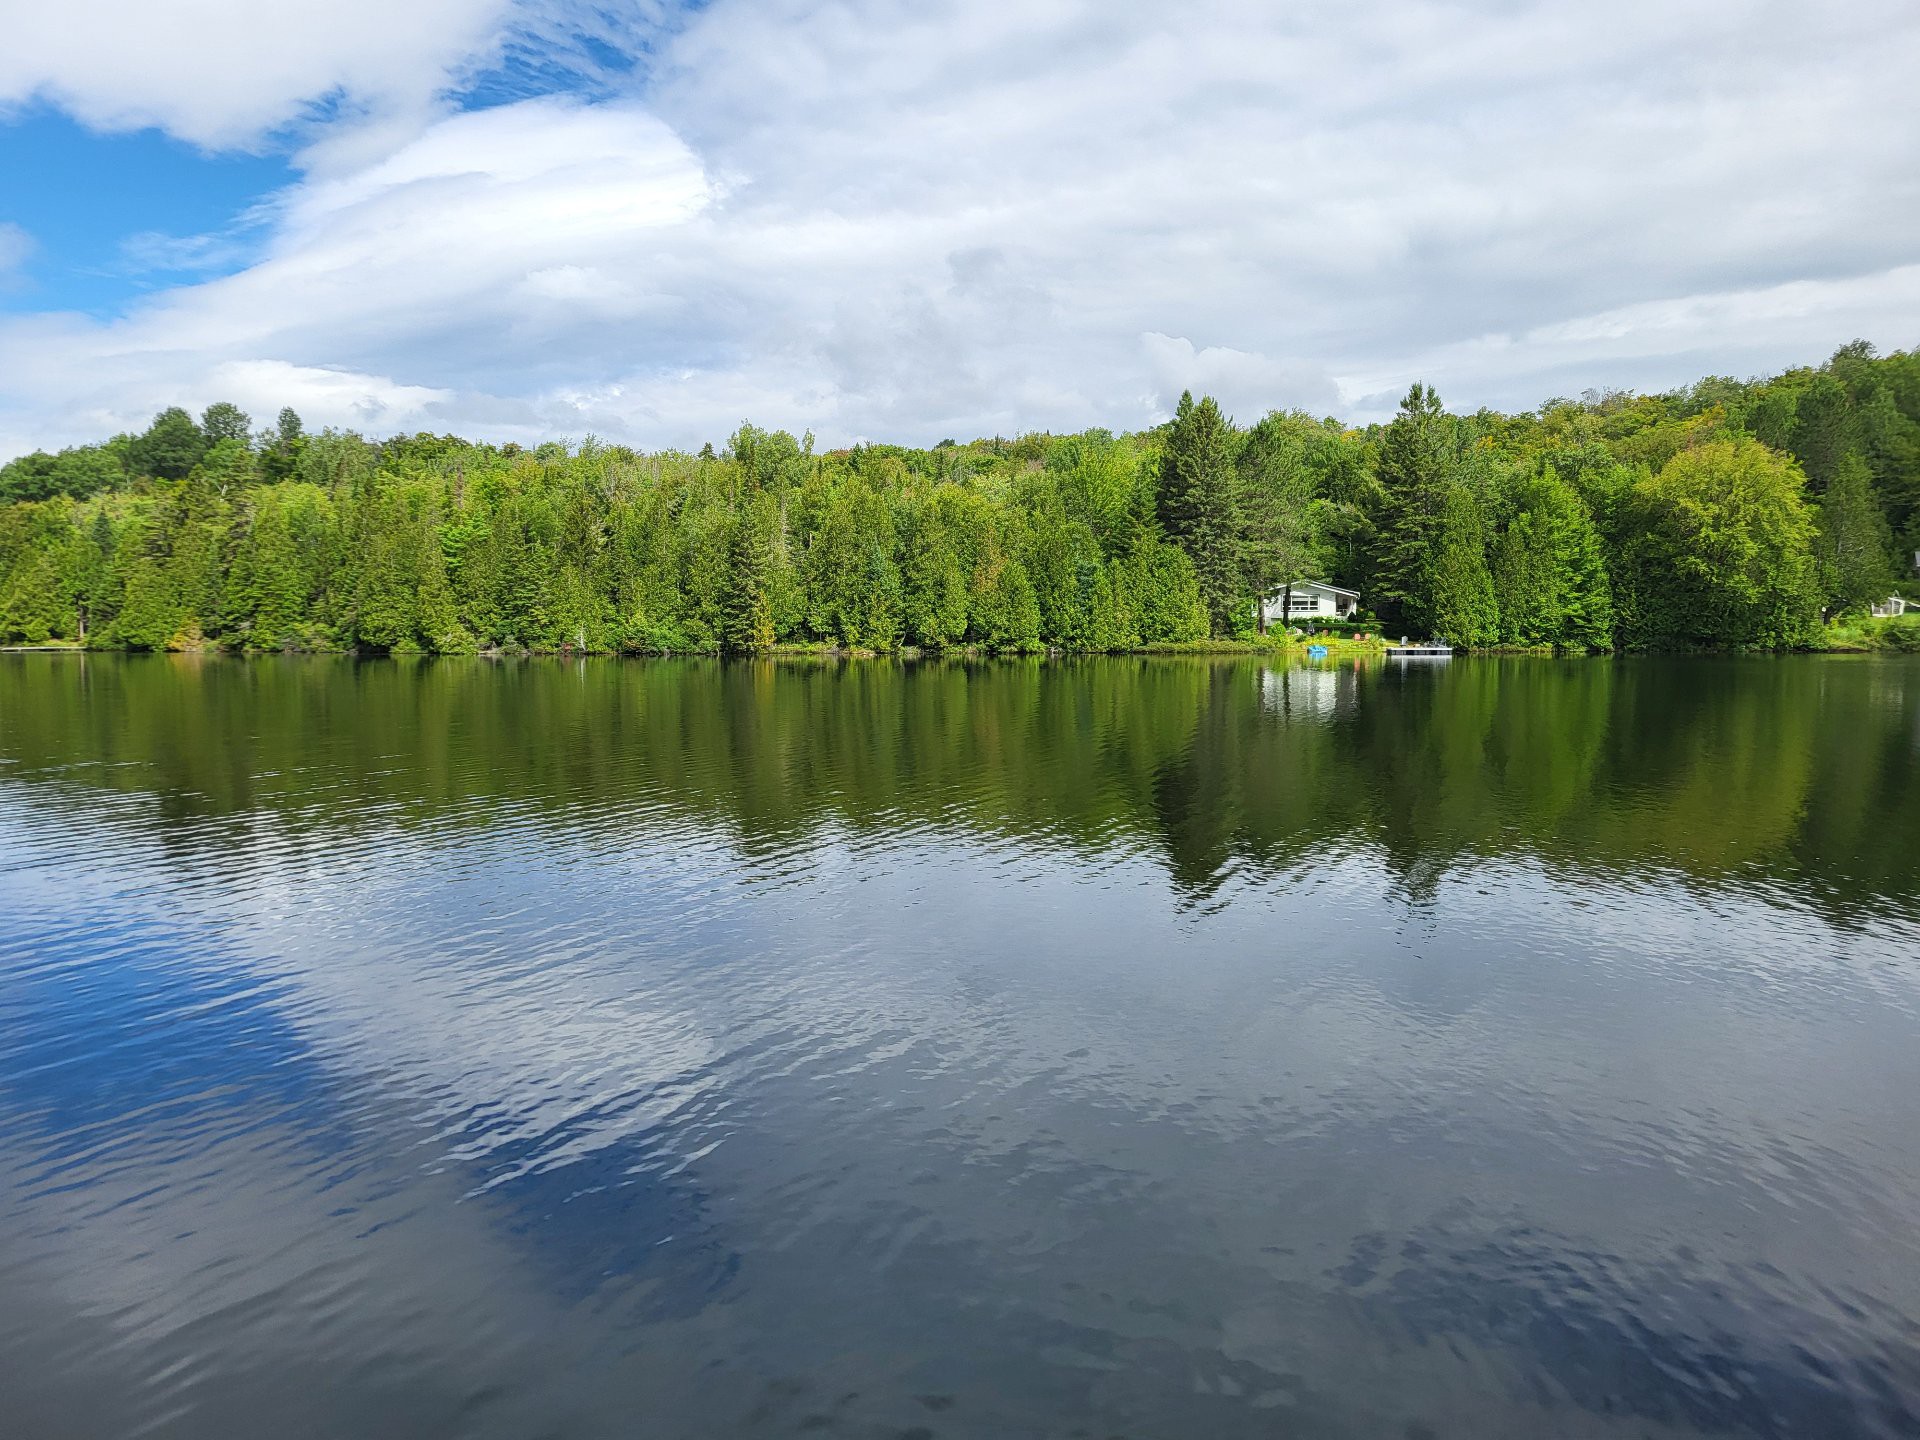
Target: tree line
[1736, 514]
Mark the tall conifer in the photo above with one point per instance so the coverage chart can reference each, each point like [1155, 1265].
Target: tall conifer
[1200, 505]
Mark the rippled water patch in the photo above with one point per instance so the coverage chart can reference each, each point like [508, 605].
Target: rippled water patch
[959, 1051]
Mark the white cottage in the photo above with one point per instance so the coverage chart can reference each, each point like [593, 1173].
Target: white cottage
[1310, 600]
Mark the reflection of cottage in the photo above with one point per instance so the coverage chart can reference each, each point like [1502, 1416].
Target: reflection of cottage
[1888, 608]
[1310, 600]
[1307, 694]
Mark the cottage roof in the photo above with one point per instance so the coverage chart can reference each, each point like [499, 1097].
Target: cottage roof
[1328, 586]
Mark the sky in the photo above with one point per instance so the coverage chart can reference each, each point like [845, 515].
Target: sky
[923, 219]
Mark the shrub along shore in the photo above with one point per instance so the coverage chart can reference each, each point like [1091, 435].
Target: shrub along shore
[1761, 514]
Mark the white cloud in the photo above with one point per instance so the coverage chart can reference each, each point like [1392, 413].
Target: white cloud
[1245, 384]
[219, 72]
[438, 252]
[15, 246]
[150, 251]
[1672, 341]
[877, 218]
[373, 403]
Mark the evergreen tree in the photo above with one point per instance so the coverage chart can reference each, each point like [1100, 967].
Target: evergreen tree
[1890, 442]
[1166, 594]
[933, 580]
[1279, 511]
[384, 612]
[1063, 561]
[1526, 582]
[1416, 473]
[281, 447]
[1586, 588]
[854, 579]
[1012, 613]
[267, 599]
[93, 577]
[436, 609]
[1199, 505]
[1824, 431]
[749, 617]
[1852, 541]
[1549, 569]
[35, 598]
[1460, 604]
[150, 617]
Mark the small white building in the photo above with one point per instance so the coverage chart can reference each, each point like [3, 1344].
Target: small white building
[1888, 608]
[1310, 600]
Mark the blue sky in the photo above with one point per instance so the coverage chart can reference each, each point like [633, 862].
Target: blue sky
[87, 198]
[528, 219]
[115, 212]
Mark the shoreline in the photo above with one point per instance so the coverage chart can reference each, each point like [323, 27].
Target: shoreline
[1338, 651]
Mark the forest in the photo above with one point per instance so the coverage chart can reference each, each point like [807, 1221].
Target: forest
[1750, 515]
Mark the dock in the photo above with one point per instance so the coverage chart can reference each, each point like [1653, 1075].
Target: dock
[1426, 651]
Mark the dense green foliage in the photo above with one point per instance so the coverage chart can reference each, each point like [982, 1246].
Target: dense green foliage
[1727, 514]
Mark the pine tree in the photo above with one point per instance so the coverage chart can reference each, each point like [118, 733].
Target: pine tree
[1460, 598]
[1586, 589]
[1526, 580]
[1416, 472]
[196, 533]
[150, 617]
[1824, 431]
[436, 610]
[1853, 541]
[281, 447]
[854, 580]
[1279, 510]
[933, 580]
[749, 616]
[94, 577]
[281, 585]
[33, 604]
[1062, 557]
[1549, 569]
[1199, 505]
[1019, 610]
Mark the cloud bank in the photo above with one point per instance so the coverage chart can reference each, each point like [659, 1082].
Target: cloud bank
[222, 72]
[875, 218]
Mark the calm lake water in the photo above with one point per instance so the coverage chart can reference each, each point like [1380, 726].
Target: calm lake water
[1146, 1048]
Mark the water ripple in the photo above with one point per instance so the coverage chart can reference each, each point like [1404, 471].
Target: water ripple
[1157, 1050]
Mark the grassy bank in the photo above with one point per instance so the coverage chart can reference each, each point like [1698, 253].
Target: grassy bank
[1857, 635]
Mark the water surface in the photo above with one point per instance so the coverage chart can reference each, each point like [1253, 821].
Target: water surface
[1153, 1048]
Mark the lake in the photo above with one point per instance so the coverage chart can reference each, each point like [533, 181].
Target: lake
[1122, 1047]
